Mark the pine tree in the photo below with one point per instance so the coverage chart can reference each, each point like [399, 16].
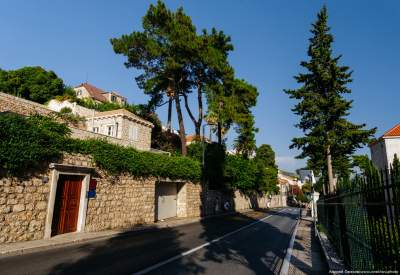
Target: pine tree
[329, 138]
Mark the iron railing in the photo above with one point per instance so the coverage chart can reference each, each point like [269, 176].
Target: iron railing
[362, 220]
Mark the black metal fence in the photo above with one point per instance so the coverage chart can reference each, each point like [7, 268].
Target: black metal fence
[362, 220]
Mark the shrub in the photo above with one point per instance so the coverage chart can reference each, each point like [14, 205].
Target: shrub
[117, 159]
[27, 141]
[65, 110]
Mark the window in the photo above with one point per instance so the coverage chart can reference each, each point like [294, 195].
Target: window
[116, 129]
[113, 98]
[110, 130]
[133, 133]
[95, 129]
[79, 93]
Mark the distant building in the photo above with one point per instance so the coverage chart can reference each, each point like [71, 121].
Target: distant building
[86, 90]
[385, 147]
[291, 178]
[193, 138]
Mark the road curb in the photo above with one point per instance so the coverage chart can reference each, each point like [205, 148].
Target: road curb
[286, 262]
[331, 257]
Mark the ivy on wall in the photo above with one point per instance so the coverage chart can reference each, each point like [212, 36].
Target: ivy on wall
[26, 142]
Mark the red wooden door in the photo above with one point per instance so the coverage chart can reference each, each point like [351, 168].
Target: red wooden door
[66, 205]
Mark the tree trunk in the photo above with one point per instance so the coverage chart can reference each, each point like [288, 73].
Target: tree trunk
[219, 133]
[331, 182]
[182, 133]
[169, 126]
[200, 102]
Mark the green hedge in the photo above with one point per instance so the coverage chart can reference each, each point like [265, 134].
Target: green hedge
[223, 171]
[25, 142]
[117, 159]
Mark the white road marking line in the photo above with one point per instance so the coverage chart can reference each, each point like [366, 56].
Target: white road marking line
[286, 261]
[183, 254]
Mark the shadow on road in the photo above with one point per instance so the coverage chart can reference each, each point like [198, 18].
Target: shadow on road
[129, 253]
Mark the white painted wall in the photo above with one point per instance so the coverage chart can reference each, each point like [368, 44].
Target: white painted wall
[56, 106]
[383, 151]
[392, 148]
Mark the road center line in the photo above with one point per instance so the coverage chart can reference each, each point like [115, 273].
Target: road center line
[188, 252]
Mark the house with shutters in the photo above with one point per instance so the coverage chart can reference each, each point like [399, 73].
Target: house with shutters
[117, 126]
[123, 125]
[89, 91]
[384, 148]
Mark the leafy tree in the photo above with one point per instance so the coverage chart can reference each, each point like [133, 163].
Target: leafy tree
[265, 159]
[32, 83]
[329, 137]
[208, 66]
[306, 188]
[362, 162]
[177, 62]
[162, 51]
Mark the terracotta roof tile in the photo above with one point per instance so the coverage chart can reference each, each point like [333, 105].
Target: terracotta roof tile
[95, 92]
[394, 132]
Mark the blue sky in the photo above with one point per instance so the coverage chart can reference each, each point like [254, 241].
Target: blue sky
[270, 39]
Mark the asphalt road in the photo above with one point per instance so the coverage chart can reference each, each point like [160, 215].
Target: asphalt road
[253, 248]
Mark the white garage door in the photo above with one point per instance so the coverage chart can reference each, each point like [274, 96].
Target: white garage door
[166, 200]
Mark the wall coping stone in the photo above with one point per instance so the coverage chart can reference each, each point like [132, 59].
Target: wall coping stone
[71, 168]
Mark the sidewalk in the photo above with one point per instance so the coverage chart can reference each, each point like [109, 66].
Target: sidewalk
[307, 257]
[18, 248]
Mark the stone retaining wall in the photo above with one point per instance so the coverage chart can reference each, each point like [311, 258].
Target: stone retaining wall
[121, 201]
[10, 103]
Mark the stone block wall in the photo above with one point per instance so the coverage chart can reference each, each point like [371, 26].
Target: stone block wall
[121, 203]
[23, 205]
[10, 103]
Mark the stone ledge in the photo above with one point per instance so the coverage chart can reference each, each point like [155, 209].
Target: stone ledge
[333, 260]
[71, 168]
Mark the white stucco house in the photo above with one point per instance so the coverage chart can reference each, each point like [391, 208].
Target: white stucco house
[117, 126]
[385, 147]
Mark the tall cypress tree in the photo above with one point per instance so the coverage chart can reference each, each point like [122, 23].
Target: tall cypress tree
[329, 138]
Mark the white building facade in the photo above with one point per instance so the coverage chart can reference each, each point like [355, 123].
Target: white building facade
[384, 149]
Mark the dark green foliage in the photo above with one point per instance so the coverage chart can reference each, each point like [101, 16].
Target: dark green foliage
[116, 159]
[265, 159]
[302, 198]
[32, 83]
[161, 139]
[195, 151]
[241, 173]
[214, 164]
[223, 171]
[230, 102]
[177, 62]
[26, 142]
[65, 110]
[361, 162]
[101, 107]
[323, 107]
